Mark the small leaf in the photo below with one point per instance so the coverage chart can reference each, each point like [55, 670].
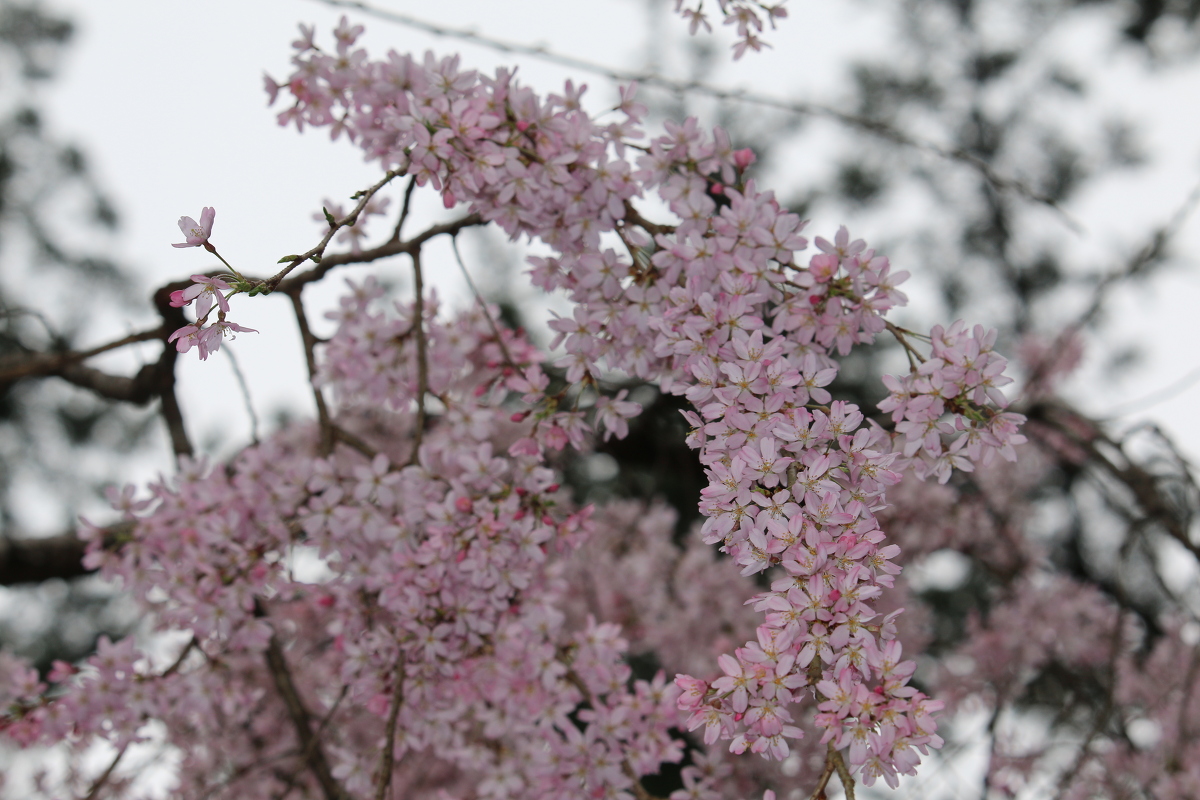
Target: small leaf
[329, 217]
[316, 258]
[288, 258]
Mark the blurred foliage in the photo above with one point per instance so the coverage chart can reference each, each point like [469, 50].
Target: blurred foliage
[58, 444]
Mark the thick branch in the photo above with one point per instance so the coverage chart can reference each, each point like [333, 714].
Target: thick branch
[46, 558]
[36, 560]
[35, 364]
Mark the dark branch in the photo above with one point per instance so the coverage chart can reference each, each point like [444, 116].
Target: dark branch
[315, 757]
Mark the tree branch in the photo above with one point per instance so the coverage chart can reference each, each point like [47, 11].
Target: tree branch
[36, 364]
[385, 250]
[315, 757]
[310, 343]
[422, 356]
[42, 559]
[387, 757]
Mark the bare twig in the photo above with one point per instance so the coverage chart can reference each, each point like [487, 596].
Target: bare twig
[310, 342]
[318, 251]
[241, 380]
[404, 208]
[482, 304]
[99, 783]
[422, 355]
[173, 416]
[826, 774]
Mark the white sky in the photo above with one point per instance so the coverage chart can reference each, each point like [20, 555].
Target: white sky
[166, 99]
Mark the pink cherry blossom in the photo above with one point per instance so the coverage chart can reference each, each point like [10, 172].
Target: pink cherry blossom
[197, 233]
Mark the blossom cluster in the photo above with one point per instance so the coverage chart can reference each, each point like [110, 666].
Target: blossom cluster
[417, 571]
[434, 589]
[205, 291]
[749, 16]
[720, 308]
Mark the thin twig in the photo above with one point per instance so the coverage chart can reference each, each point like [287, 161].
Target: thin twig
[487, 312]
[826, 774]
[98, 784]
[1150, 252]
[422, 356]
[404, 208]
[318, 251]
[241, 380]
[310, 342]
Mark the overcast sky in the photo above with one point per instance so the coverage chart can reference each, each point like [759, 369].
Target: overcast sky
[166, 98]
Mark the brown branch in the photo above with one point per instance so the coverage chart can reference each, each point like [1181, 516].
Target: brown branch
[314, 757]
[36, 364]
[387, 758]
[173, 416]
[43, 559]
[826, 774]
[99, 783]
[386, 250]
[36, 560]
[1144, 485]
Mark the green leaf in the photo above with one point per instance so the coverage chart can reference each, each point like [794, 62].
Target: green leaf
[288, 258]
[329, 217]
[316, 259]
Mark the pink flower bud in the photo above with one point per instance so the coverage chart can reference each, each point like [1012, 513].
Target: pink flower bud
[744, 158]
